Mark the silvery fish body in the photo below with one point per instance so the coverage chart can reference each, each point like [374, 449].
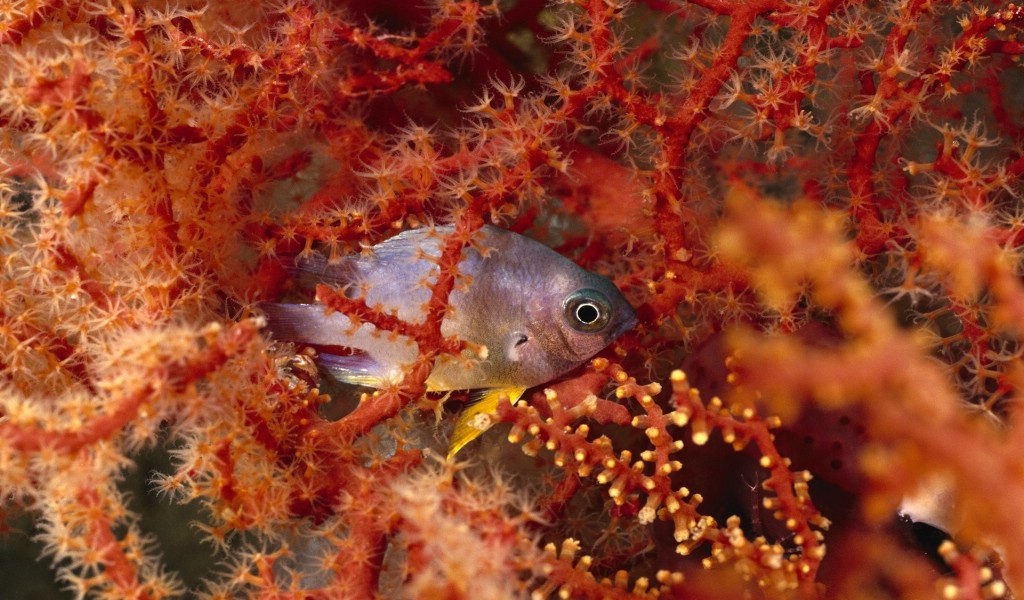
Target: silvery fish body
[537, 313]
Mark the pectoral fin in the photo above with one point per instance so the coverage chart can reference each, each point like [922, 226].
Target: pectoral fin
[477, 417]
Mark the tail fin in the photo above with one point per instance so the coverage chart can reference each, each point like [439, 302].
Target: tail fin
[307, 323]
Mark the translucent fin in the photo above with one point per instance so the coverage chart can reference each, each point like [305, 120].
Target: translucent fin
[305, 323]
[359, 369]
[475, 419]
[314, 269]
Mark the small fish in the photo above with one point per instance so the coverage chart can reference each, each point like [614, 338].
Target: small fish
[537, 313]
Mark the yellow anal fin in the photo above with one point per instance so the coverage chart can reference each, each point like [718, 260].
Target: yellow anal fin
[478, 416]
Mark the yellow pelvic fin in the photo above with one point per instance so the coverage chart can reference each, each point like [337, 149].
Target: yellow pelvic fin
[477, 417]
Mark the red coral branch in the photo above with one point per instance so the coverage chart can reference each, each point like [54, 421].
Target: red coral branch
[30, 437]
[14, 30]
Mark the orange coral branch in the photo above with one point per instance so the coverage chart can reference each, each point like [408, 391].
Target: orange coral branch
[32, 437]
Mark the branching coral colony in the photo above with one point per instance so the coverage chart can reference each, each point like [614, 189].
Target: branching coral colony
[815, 206]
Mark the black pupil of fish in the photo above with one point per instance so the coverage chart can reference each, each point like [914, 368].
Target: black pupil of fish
[587, 313]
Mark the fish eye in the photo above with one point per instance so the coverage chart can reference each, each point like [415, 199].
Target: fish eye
[587, 310]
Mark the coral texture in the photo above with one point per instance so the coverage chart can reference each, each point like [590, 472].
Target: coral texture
[814, 205]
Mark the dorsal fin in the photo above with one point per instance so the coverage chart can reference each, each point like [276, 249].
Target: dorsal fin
[314, 269]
